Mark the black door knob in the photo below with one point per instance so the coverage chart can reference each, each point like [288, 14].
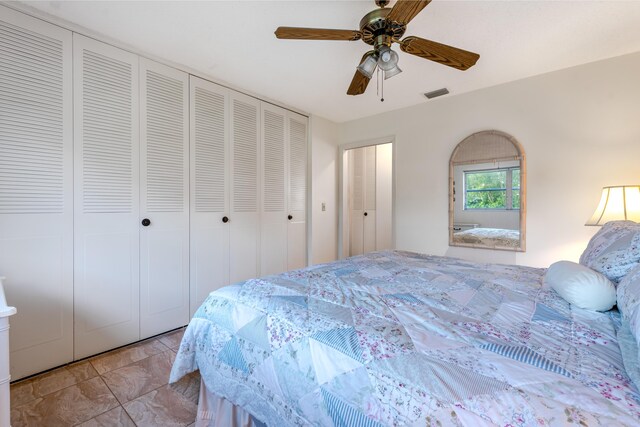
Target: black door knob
[365, 214]
[146, 222]
[225, 219]
[290, 217]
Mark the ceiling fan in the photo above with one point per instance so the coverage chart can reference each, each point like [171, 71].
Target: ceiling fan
[381, 28]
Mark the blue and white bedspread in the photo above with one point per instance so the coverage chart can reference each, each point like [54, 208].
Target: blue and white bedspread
[398, 338]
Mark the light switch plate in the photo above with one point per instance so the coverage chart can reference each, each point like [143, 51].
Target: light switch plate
[324, 206]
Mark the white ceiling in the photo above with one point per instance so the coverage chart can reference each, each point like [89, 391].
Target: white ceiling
[233, 42]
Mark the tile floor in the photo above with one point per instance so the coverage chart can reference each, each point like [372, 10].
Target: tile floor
[125, 387]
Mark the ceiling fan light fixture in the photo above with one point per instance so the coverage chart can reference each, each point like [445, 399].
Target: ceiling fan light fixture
[368, 66]
[392, 72]
[387, 59]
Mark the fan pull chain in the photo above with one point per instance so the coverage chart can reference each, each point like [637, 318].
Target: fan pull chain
[380, 85]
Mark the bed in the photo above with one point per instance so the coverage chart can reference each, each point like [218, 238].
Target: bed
[490, 237]
[400, 338]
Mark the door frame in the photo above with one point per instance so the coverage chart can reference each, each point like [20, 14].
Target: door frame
[343, 204]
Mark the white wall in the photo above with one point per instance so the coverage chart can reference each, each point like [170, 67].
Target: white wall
[580, 129]
[324, 187]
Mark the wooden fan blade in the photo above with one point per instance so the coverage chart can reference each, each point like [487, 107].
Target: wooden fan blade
[405, 10]
[359, 82]
[438, 52]
[316, 34]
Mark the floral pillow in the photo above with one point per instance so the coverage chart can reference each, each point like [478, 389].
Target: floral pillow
[614, 250]
[628, 294]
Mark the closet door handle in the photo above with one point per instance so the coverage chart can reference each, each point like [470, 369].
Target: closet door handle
[225, 219]
[290, 217]
[365, 214]
[146, 222]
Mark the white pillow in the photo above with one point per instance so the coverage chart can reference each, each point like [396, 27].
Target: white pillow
[581, 286]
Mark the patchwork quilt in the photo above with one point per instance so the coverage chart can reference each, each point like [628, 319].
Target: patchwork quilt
[399, 338]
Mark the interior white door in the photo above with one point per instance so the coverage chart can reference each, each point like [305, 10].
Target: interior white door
[106, 197]
[369, 215]
[209, 154]
[384, 196]
[36, 190]
[362, 180]
[297, 191]
[356, 201]
[164, 204]
[244, 214]
[273, 215]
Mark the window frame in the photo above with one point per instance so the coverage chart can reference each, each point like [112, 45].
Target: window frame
[508, 188]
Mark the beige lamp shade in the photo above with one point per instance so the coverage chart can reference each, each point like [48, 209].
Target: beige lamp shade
[617, 203]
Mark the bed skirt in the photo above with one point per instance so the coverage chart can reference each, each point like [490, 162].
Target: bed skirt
[216, 411]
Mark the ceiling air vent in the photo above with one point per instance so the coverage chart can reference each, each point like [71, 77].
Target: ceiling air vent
[437, 93]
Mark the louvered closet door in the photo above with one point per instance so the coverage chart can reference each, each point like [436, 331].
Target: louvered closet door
[244, 214]
[164, 179]
[356, 190]
[273, 218]
[106, 300]
[36, 184]
[209, 153]
[369, 216]
[297, 191]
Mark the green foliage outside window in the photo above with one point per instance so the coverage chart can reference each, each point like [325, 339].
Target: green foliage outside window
[515, 188]
[486, 200]
[491, 189]
[515, 199]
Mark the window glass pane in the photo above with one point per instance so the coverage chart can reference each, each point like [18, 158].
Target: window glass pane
[486, 189]
[486, 199]
[515, 179]
[515, 189]
[487, 180]
[515, 199]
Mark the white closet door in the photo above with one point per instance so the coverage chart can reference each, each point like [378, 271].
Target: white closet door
[164, 179]
[384, 195]
[244, 213]
[356, 191]
[209, 154]
[297, 203]
[106, 193]
[369, 215]
[36, 187]
[273, 217]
